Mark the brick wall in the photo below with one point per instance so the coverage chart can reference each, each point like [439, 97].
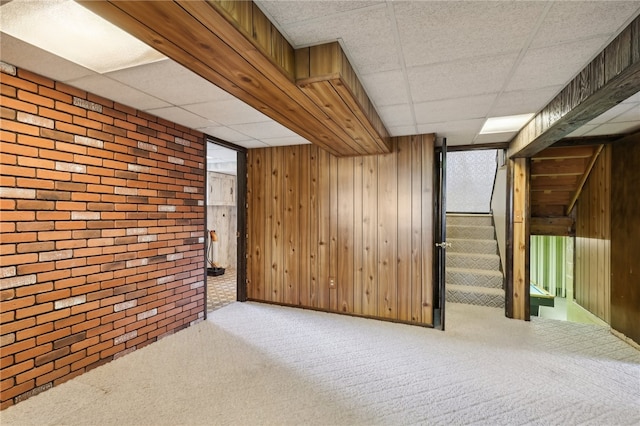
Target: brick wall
[102, 227]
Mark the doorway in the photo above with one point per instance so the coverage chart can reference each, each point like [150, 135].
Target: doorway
[225, 223]
[474, 273]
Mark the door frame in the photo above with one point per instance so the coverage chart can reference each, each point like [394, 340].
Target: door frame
[241, 203]
[440, 235]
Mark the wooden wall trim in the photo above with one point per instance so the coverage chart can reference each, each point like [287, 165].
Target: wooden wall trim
[519, 220]
[613, 76]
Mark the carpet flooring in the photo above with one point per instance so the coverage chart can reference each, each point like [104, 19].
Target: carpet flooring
[252, 363]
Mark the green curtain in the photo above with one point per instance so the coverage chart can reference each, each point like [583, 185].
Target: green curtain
[549, 263]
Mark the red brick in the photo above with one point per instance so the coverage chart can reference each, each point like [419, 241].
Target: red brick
[34, 331]
[54, 94]
[34, 310]
[52, 376]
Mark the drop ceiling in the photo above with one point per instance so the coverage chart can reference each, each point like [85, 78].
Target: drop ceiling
[441, 67]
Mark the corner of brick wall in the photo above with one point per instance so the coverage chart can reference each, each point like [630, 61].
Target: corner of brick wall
[101, 231]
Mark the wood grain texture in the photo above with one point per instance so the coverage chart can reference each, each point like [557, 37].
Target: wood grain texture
[625, 244]
[232, 45]
[520, 276]
[364, 222]
[593, 239]
[610, 78]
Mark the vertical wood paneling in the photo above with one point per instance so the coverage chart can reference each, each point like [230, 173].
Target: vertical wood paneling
[358, 229]
[277, 244]
[304, 178]
[252, 176]
[290, 225]
[404, 214]
[625, 244]
[370, 235]
[366, 223]
[333, 232]
[387, 234]
[314, 230]
[324, 233]
[428, 201]
[593, 240]
[345, 234]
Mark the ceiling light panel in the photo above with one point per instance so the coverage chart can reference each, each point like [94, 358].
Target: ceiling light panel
[509, 123]
[70, 31]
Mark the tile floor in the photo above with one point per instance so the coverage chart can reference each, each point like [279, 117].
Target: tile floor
[221, 290]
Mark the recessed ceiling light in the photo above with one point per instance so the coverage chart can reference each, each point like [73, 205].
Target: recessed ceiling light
[508, 123]
[68, 30]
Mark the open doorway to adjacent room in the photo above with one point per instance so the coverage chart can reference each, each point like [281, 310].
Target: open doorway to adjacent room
[222, 225]
[476, 213]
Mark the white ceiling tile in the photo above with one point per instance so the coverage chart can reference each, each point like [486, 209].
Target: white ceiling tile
[523, 101]
[433, 32]
[581, 131]
[574, 20]
[619, 113]
[180, 116]
[459, 79]
[263, 130]
[291, 140]
[287, 12]
[225, 133]
[454, 109]
[228, 112]
[367, 38]
[252, 143]
[614, 128]
[24, 55]
[217, 153]
[457, 132]
[171, 82]
[402, 130]
[539, 67]
[396, 115]
[632, 114]
[386, 88]
[494, 138]
[116, 91]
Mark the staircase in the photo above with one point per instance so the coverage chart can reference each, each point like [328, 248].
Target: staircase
[474, 276]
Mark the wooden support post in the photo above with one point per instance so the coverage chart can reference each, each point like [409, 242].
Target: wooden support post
[519, 277]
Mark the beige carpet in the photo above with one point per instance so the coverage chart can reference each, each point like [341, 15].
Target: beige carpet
[252, 363]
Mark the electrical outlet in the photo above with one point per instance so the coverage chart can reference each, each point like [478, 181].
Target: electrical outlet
[332, 283]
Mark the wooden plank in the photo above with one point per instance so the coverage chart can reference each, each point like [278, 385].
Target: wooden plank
[564, 152]
[606, 218]
[250, 237]
[404, 210]
[428, 201]
[333, 233]
[277, 231]
[610, 78]
[314, 226]
[345, 234]
[571, 166]
[548, 210]
[257, 214]
[583, 179]
[550, 197]
[265, 234]
[324, 234]
[417, 275]
[370, 235]
[358, 225]
[520, 239]
[387, 235]
[319, 92]
[560, 226]
[291, 225]
[624, 241]
[200, 38]
[560, 183]
[304, 228]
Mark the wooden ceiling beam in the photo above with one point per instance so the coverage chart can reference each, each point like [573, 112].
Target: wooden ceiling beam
[612, 77]
[234, 46]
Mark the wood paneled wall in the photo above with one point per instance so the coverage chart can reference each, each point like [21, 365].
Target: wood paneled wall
[349, 235]
[625, 244]
[593, 239]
